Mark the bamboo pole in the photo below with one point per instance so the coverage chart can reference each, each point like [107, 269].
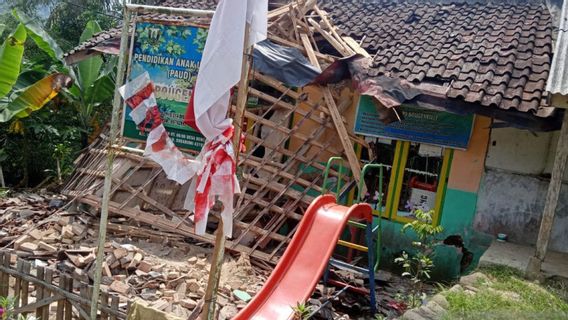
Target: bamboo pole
[242, 94]
[117, 103]
[554, 187]
[210, 298]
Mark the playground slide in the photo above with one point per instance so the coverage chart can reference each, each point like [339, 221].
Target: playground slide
[302, 265]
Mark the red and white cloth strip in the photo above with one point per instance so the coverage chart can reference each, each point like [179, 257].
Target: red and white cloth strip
[139, 95]
[220, 70]
[217, 179]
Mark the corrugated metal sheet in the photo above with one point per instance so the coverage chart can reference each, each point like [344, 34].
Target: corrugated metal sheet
[558, 78]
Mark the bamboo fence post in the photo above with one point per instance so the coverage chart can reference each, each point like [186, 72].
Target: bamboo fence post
[210, 298]
[242, 94]
[110, 158]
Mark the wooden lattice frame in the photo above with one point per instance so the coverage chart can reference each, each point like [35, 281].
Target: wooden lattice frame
[275, 184]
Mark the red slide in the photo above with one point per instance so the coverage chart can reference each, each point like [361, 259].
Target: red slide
[302, 265]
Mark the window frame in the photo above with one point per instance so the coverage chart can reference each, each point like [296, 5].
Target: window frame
[395, 185]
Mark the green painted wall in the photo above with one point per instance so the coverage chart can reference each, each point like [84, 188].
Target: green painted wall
[457, 218]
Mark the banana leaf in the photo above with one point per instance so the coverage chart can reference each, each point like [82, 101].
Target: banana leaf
[43, 40]
[2, 27]
[34, 97]
[89, 69]
[102, 90]
[11, 54]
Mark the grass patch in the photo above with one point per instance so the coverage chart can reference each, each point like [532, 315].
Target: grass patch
[558, 287]
[507, 296]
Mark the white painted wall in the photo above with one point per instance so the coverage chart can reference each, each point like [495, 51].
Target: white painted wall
[513, 189]
[521, 151]
[512, 203]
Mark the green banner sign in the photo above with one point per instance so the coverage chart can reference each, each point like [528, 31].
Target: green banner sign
[419, 125]
[171, 55]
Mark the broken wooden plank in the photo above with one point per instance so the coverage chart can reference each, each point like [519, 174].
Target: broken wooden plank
[343, 136]
[356, 47]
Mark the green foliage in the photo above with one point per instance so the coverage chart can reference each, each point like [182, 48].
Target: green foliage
[506, 296]
[301, 311]
[29, 144]
[68, 18]
[11, 54]
[33, 97]
[7, 308]
[60, 152]
[422, 225]
[174, 48]
[30, 152]
[88, 70]
[417, 267]
[150, 43]
[94, 85]
[42, 39]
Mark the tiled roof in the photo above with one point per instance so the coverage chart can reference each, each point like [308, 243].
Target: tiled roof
[112, 36]
[495, 54]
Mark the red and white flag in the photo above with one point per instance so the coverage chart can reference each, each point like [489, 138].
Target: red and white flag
[220, 70]
[139, 95]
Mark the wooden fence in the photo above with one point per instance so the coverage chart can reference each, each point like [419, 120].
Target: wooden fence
[51, 294]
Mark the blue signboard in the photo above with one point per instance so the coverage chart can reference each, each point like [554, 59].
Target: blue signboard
[419, 125]
[171, 54]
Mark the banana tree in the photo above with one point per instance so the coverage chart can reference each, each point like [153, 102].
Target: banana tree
[94, 86]
[93, 79]
[27, 86]
[20, 103]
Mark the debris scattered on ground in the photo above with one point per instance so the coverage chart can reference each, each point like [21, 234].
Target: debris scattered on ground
[161, 270]
[165, 271]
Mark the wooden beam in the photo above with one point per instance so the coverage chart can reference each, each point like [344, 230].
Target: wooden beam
[332, 30]
[356, 47]
[339, 125]
[38, 304]
[311, 53]
[170, 226]
[343, 49]
[534, 266]
[272, 169]
[278, 187]
[289, 43]
[559, 101]
[343, 134]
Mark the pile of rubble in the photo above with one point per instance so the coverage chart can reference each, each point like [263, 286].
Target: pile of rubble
[24, 212]
[163, 271]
